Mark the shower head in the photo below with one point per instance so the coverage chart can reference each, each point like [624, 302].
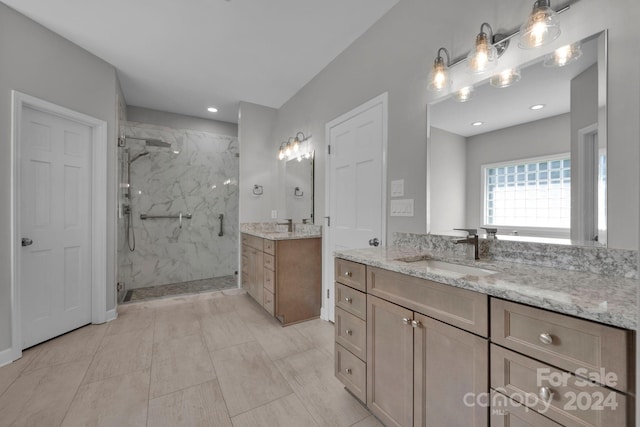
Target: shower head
[137, 156]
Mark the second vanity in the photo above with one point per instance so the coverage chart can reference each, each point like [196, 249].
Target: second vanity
[425, 342]
[281, 271]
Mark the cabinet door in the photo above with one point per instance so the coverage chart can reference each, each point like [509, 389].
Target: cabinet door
[389, 362]
[451, 372]
[252, 272]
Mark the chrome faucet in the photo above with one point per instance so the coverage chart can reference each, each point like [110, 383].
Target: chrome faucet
[472, 239]
[289, 224]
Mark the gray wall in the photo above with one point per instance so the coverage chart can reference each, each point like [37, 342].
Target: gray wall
[40, 63]
[395, 56]
[179, 121]
[448, 181]
[258, 162]
[533, 139]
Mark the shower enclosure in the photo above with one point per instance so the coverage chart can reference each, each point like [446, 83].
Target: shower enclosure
[178, 210]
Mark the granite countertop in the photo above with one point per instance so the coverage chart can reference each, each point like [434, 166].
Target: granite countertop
[604, 299]
[283, 235]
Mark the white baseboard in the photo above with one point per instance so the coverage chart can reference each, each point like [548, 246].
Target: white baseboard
[6, 357]
[112, 315]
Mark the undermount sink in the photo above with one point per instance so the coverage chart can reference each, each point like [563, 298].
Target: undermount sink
[449, 267]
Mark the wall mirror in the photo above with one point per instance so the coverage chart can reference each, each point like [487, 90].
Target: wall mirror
[299, 189]
[528, 159]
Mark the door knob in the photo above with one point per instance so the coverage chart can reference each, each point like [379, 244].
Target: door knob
[374, 242]
[26, 241]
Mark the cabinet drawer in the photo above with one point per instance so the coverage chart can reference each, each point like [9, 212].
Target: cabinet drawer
[573, 401]
[268, 302]
[465, 309]
[348, 299]
[352, 372]
[351, 333]
[351, 274]
[507, 413]
[269, 280]
[252, 241]
[269, 246]
[269, 262]
[563, 341]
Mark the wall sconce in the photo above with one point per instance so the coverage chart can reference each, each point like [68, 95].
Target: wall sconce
[563, 56]
[439, 77]
[464, 94]
[505, 78]
[486, 50]
[292, 148]
[541, 26]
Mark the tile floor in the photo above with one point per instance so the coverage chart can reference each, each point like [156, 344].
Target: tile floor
[182, 288]
[215, 359]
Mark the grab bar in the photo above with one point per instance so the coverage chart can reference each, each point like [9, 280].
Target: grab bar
[220, 217]
[145, 216]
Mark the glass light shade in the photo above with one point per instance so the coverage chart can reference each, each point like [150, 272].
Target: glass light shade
[280, 154]
[563, 56]
[541, 27]
[439, 79]
[464, 94]
[505, 78]
[483, 56]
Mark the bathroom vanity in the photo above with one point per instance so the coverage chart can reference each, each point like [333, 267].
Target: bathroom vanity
[281, 271]
[424, 341]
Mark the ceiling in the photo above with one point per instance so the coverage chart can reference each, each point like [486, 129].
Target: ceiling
[501, 108]
[184, 56]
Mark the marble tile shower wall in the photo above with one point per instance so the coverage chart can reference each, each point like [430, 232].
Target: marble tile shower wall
[198, 175]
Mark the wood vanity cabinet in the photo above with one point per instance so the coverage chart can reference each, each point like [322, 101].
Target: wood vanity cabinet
[420, 369]
[283, 276]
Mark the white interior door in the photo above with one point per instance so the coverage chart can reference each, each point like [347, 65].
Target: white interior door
[356, 188]
[55, 225]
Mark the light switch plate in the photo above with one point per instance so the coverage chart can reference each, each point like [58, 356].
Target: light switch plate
[397, 188]
[402, 207]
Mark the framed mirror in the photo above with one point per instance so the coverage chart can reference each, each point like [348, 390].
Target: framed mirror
[298, 184]
[528, 159]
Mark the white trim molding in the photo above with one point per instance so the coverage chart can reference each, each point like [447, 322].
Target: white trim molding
[98, 210]
[112, 315]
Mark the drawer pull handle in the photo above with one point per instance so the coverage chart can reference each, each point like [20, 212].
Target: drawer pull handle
[348, 331]
[348, 371]
[546, 338]
[348, 273]
[348, 300]
[406, 321]
[545, 394]
[416, 324]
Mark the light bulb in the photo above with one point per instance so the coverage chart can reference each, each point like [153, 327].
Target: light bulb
[464, 94]
[563, 55]
[505, 78]
[439, 79]
[483, 56]
[541, 27]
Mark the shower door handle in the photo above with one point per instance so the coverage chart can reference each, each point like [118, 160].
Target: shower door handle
[26, 241]
[221, 217]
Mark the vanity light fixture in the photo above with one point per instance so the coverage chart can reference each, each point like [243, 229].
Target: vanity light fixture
[486, 50]
[505, 78]
[541, 27]
[212, 109]
[464, 94]
[563, 55]
[439, 79]
[537, 107]
[293, 148]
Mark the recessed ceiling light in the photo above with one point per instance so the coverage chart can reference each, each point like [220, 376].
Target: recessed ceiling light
[537, 107]
[212, 109]
[477, 123]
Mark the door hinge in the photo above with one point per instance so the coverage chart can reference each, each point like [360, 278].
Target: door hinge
[329, 149]
[327, 293]
[328, 221]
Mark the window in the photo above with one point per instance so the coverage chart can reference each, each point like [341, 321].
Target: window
[529, 193]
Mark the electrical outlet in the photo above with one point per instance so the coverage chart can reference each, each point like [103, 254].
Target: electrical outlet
[274, 214]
